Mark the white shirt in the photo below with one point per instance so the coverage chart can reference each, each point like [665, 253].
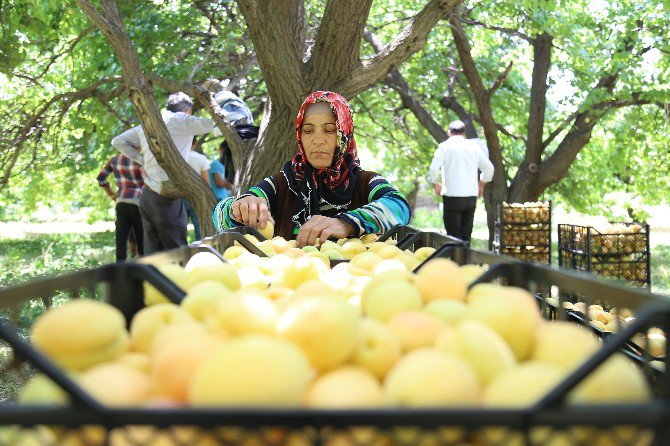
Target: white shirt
[198, 162]
[182, 128]
[455, 164]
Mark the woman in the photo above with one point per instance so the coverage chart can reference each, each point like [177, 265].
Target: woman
[322, 191]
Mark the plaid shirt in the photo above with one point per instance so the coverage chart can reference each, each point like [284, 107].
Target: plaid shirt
[128, 177]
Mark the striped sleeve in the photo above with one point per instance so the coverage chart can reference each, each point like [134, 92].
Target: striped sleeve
[387, 207]
[222, 216]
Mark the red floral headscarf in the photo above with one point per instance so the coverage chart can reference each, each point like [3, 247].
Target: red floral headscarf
[346, 156]
[334, 184]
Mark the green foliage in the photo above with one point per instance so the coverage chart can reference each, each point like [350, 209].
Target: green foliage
[426, 219]
[49, 47]
[27, 258]
[660, 270]
[627, 163]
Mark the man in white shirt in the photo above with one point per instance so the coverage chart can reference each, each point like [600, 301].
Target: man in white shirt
[454, 175]
[164, 219]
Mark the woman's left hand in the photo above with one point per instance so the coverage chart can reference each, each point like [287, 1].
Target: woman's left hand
[322, 228]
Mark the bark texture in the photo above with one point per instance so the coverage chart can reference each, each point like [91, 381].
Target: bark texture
[184, 181]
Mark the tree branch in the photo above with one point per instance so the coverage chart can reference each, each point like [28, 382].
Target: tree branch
[538, 98]
[277, 30]
[409, 41]
[506, 132]
[334, 49]
[509, 31]
[33, 127]
[396, 81]
[499, 80]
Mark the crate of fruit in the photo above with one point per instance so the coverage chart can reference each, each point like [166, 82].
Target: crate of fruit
[523, 230]
[456, 353]
[529, 214]
[616, 250]
[598, 306]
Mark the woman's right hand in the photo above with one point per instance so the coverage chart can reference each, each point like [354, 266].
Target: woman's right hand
[252, 211]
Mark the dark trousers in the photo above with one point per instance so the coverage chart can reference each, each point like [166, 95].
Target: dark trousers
[190, 211]
[128, 219]
[459, 216]
[164, 220]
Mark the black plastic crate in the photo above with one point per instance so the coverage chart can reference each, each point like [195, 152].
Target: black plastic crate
[178, 256]
[271, 426]
[398, 233]
[622, 255]
[555, 289]
[429, 239]
[225, 239]
[523, 230]
[525, 214]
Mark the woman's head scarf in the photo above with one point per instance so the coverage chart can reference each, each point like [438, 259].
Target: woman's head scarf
[330, 189]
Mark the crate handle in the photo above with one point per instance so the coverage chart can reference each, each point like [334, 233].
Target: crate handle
[649, 314]
[203, 247]
[394, 230]
[152, 275]
[249, 246]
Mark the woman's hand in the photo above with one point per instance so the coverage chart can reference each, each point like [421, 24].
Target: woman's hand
[252, 211]
[322, 228]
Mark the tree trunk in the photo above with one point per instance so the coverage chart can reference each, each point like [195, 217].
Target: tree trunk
[277, 30]
[495, 191]
[334, 64]
[184, 181]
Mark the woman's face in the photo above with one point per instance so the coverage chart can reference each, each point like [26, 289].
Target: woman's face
[319, 139]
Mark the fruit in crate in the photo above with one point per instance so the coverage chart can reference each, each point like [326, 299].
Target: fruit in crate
[203, 258]
[484, 349]
[304, 334]
[221, 272]
[441, 279]
[116, 384]
[105, 333]
[654, 342]
[415, 329]
[40, 389]
[345, 387]
[563, 344]
[382, 300]
[268, 231]
[510, 311]
[252, 370]
[419, 379]
[326, 329]
[176, 273]
[378, 347]
[150, 321]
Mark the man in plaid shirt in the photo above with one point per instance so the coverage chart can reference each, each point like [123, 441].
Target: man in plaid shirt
[129, 182]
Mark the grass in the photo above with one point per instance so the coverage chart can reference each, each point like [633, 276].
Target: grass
[35, 256]
[53, 254]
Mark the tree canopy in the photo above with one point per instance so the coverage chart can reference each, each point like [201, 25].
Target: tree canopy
[571, 98]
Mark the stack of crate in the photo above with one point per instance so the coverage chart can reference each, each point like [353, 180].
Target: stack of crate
[523, 230]
[619, 250]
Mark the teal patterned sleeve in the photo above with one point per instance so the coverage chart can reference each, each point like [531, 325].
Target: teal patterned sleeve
[387, 207]
[222, 217]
